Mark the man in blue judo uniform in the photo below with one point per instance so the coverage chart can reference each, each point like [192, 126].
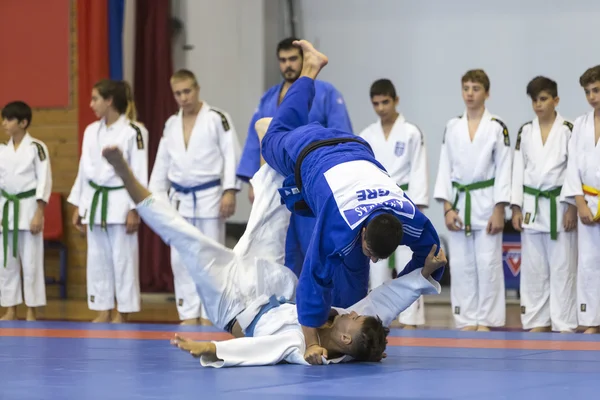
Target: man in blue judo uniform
[360, 212]
[328, 108]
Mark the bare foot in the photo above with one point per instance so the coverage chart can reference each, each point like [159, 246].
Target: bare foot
[196, 349]
[261, 126]
[409, 327]
[313, 61]
[11, 314]
[120, 318]
[205, 322]
[103, 317]
[591, 330]
[482, 328]
[541, 329]
[190, 321]
[31, 314]
[469, 328]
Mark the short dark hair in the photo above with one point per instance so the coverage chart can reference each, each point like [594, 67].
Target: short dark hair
[477, 76]
[18, 110]
[288, 44]
[541, 84]
[383, 235]
[383, 87]
[369, 344]
[590, 76]
[115, 90]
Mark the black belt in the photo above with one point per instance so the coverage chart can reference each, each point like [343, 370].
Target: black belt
[301, 205]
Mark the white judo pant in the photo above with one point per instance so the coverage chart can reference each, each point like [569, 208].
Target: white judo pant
[549, 280]
[380, 273]
[232, 283]
[588, 274]
[113, 269]
[188, 301]
[477, 279]
[30, 257]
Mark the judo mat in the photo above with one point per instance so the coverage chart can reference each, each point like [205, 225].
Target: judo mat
[70, 360]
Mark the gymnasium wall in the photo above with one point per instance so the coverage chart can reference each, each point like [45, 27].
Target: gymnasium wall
[426, 46]
[226, 52]
[41, 69]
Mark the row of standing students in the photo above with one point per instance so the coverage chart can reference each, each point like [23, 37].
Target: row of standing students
[551, 181]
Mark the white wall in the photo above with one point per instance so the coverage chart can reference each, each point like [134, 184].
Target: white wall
[228, 59]
[425, 46]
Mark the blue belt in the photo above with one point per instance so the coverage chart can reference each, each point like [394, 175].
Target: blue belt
[274, 302]
[194, 189]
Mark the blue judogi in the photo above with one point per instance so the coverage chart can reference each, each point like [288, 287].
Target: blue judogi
[330, 111]
[335, 271]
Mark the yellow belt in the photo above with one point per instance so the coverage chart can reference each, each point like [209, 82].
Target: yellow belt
[593, 192]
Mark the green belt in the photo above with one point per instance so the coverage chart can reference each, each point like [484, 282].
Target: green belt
[100, 190]
[16, 200]
[404, 187]
[467, 189]
[548, 194]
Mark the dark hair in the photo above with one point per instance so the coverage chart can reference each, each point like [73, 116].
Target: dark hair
[115, 90]
[383, 87]
[590, 76]
[383, 235]
[541, 84]
[18, 110]
[288, 44]
[477, 76]
[369, 344]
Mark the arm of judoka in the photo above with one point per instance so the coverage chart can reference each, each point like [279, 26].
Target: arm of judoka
[503, 173]
[261, 350]
[387, 301]
[76, 190]
[230, 150]
[138, 160]
[43, 174]
[313, 293]
[418, 185]
[250, 159]
[159, 179]
[337, 113]
[516, 199]
[443, 184]
[572, 186]
[421, 249]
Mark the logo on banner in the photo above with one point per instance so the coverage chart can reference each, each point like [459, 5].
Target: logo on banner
[512, 257]
[399, 150]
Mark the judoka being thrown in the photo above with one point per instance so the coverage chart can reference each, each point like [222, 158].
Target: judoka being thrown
[360, 211]
[247, 292]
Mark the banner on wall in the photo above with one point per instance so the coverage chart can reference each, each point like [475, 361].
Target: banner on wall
[511, 256]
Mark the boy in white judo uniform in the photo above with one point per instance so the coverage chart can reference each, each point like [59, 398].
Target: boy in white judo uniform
[246, 291]
[547, 222]
[25, 187]
[474, 183]
[400, 147]
[583, 184]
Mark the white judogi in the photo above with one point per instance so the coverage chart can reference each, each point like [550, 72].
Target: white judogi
[211, 157]
[237, 283]
[404, 156]
[548, 265]
[477, 285]
[112, 254]
[583, 179]
[24, 171]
